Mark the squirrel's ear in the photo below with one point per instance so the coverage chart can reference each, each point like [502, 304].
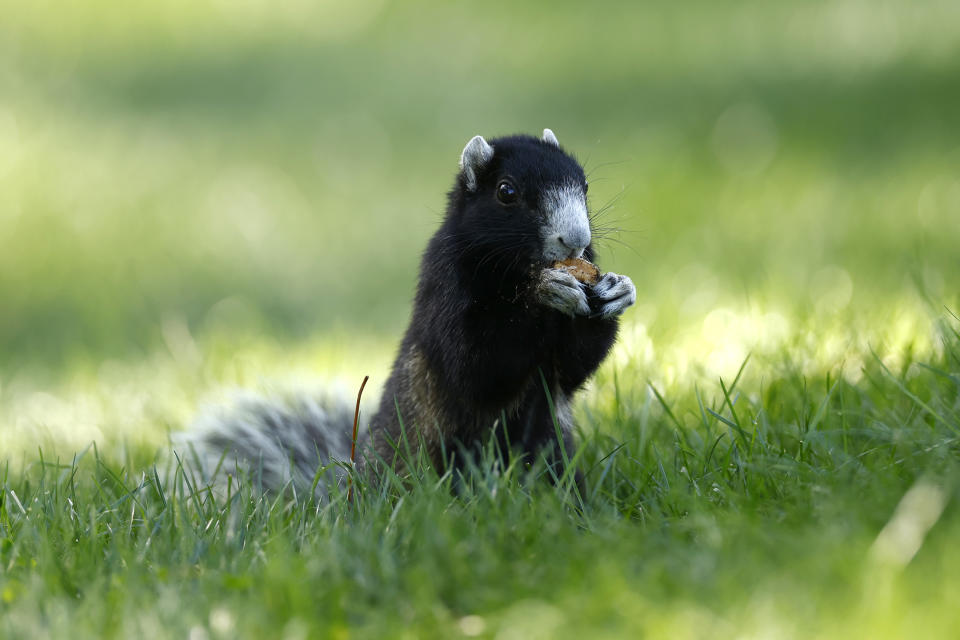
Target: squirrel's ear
[476, 154]
[550, 138]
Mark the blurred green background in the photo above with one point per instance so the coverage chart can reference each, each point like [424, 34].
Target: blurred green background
[218, 168]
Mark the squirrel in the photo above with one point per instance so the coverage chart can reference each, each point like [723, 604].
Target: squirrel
[498, 344]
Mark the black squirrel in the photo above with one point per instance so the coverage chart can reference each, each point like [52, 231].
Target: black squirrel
[494, 328]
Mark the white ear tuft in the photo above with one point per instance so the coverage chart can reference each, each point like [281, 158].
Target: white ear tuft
[550, 138]
[476, 154]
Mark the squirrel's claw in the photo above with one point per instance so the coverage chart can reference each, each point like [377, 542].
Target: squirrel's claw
[612, 295]
[561, 291]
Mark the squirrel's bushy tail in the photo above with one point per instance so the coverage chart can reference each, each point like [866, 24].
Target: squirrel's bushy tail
[271, 441]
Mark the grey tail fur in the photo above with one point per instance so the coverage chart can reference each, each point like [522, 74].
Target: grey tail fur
[275, 442]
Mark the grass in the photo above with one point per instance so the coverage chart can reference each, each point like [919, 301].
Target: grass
[197, 196]
[794, 507]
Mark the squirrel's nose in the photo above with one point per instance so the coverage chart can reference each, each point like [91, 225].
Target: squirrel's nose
[575, 245]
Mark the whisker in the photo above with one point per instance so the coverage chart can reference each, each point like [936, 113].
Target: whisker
[611, 163]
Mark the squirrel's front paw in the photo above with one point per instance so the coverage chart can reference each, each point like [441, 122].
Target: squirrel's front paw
[612, 295]
[561, 291]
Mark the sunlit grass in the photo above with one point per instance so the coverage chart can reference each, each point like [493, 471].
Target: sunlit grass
[138, 402]
[785, 499]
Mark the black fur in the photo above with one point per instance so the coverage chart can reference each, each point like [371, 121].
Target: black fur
[479, 347]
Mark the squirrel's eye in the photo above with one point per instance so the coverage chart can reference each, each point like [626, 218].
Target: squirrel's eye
[586, 187]
[506, 192]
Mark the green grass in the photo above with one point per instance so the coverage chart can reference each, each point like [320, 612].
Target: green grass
[197, 196]
[799, 506]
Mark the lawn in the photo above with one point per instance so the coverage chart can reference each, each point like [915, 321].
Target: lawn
[197, 197]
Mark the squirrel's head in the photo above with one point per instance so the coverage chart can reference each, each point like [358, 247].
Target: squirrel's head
[524, 197]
